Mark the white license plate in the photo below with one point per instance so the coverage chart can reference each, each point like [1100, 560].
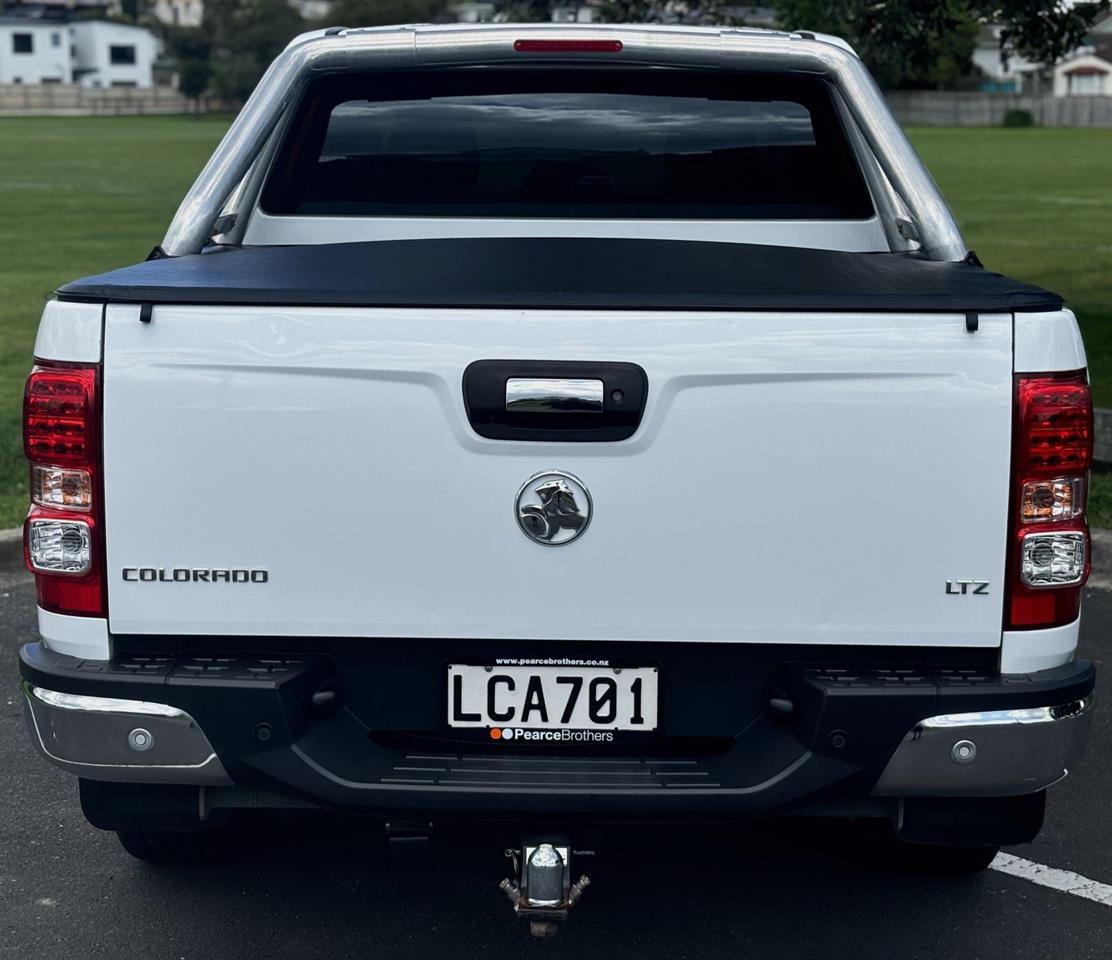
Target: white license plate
[573, 698]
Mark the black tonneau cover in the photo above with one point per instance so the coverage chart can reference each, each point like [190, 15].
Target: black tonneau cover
[565, 272]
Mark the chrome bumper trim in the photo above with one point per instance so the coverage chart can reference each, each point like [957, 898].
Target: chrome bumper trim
[130, 741]
[77, 701]
[991, 753]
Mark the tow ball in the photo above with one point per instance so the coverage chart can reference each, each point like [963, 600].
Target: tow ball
[541, 889]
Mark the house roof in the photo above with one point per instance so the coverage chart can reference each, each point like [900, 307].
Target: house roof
[1087, 64]
[115, 25]
[1088, 70]
[1103, 26]
[29, 22]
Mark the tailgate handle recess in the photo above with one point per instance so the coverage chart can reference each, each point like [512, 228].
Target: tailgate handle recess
[553, 395]
[562, 401]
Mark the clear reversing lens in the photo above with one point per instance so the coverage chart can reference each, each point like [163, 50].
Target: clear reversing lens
[59, 487]
[1059, 499]
[1053, 559]
[60, 546]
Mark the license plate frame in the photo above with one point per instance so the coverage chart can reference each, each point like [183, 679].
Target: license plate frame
[512, 708]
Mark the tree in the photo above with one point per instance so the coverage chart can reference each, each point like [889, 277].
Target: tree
[670, 11]
[911, 42]
[245, 35]
[525, 11]
[193, 51]
[131, 10]
[1040, 31]
[377, 13]
[906, 43]
[917, 42]
[193, 79]
[630, 11]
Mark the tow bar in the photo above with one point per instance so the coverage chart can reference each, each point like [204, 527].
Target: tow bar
[541, 889]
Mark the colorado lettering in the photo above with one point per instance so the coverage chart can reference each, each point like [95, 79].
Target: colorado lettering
[194, 575]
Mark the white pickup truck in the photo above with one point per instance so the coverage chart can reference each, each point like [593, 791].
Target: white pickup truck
[561, 424]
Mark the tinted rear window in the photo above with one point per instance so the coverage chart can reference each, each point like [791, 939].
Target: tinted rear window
[656, 144]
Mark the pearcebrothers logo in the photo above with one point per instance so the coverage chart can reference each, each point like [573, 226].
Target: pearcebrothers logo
[504, 734]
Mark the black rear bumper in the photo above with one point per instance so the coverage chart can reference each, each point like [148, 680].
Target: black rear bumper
[744, 730]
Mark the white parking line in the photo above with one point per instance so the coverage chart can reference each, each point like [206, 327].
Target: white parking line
[1065, 881]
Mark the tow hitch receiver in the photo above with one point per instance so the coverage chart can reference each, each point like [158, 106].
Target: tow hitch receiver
[541, 888]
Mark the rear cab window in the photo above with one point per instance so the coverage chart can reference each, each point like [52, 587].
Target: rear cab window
[629, 143]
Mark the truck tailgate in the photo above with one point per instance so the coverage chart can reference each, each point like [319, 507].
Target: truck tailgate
[808, 478]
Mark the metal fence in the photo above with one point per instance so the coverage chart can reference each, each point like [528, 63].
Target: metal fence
[58, 99]
[941, 108]
[928, 108]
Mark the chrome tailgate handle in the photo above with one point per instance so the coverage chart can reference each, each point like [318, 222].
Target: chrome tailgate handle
[554, 395]
[555, 401]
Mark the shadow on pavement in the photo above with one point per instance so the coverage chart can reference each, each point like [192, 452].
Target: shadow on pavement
[316, 886]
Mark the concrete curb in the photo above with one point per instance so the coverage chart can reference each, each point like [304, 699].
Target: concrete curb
[1101, 577]
[11, 550]
[1102, 435]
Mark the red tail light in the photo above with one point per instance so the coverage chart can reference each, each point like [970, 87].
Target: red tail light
[1055, 424]
[1048, 560]
[58, 415]
[63, 536]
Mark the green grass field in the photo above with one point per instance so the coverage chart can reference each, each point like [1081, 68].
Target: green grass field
[77, 196]
[1036, 204]
[81, 195]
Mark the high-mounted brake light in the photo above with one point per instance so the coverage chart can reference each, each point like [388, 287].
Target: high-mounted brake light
[1048, 560]
[568, 46]
[63, 535]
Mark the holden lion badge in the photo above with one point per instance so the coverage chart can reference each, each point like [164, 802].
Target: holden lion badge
[553, 508]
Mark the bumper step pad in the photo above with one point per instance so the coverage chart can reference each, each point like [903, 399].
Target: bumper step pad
[599, 773]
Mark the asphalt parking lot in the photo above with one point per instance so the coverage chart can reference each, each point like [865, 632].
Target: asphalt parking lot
[322, 887]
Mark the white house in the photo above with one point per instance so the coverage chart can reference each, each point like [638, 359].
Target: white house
[112, 54]
[1015, 76]
[563, 12]
[1088, 75]
[33, 51]
[313, 9]
[178, 13]
[474, 11]
[752, 16]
